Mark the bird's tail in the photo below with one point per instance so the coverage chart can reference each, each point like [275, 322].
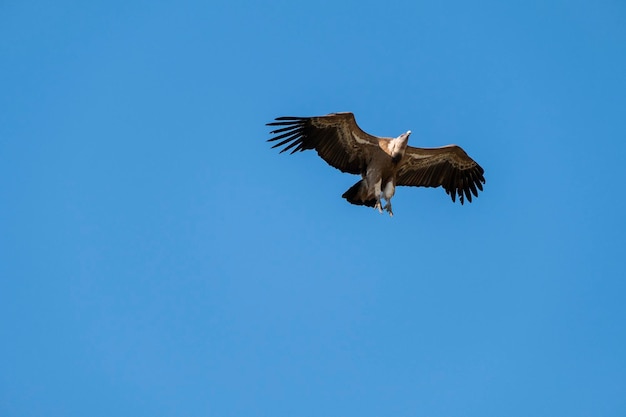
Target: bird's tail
[357, 194]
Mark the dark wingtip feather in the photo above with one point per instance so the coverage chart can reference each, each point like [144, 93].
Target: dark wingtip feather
[291, 118]
[285, 129]
[287, 121]
[473, 188]
[466, 189]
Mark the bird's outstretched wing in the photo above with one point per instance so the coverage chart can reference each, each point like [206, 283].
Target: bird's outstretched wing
[448, 166]
[336, 138]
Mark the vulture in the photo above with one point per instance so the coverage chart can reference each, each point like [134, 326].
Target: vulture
[383, 163]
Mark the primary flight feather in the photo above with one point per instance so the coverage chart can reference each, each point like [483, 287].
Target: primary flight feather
[383, 163]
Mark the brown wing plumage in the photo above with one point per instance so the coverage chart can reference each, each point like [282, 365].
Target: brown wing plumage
[448, 166]
[336, 138]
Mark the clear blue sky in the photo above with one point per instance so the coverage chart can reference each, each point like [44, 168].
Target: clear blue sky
[157, 258]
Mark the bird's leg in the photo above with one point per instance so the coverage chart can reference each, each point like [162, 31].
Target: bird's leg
[378, 206]
[378, 193]
[388, 192]
[388, 208]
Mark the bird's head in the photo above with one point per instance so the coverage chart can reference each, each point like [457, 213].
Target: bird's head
[398, 146]
[403, 139]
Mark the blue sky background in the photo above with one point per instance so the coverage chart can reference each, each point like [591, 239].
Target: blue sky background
[158, 259]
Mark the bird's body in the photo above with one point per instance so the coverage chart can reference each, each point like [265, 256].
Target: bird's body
[383, 163]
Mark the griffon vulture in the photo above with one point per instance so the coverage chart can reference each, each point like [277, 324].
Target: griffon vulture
[383, 163]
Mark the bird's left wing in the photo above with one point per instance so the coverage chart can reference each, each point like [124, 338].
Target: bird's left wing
[448, 166]
[336, 138]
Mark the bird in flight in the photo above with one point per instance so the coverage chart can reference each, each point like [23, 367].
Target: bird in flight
[383, 163]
